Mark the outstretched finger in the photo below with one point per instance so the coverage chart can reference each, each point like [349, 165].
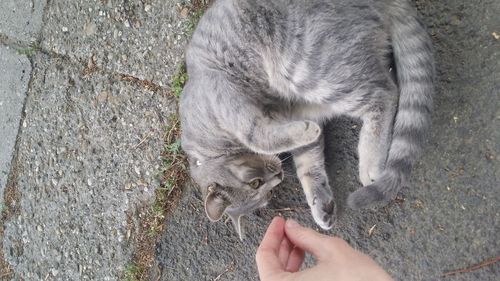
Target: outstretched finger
[268, 261]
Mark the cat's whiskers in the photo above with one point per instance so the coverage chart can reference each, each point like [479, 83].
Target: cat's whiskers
[286, 158]
[293, 175]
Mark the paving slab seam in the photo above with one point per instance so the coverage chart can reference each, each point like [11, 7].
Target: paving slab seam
[13, 43]
[52, 54]
[20, 46]
[11, 194]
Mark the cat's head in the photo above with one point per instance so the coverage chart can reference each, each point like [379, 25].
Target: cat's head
[236, 184]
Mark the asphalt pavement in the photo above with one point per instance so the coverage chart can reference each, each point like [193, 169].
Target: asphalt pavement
[448, 219]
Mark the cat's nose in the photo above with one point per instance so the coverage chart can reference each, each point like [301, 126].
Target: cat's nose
[269, 195]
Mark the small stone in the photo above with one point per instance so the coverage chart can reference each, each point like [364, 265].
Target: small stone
[147, 8]
[370, 231]
[103, 96]
[65, 29]
[455, 20]
[418, 204]
[89, 28]
[54, 272]
[184, 12]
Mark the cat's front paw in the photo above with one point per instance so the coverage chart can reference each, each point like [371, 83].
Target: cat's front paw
[323, 212]
[308, 132]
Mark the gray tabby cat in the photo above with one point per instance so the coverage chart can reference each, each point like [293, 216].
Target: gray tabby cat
[265, 75]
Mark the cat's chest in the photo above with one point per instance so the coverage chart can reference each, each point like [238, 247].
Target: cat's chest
[296, 79]
[308, 111]
[321, 112]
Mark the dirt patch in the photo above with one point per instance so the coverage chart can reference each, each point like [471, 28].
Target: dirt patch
[11, 198]
[152, 218]
[146, 84]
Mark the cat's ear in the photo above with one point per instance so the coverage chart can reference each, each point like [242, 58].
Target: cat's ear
[215, 203]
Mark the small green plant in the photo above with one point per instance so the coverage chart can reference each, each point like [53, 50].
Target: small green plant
[29, 51]
[193, 21]
[173, 158]
[179, 81]
[132, 273]
[175, 147]
[197, 9]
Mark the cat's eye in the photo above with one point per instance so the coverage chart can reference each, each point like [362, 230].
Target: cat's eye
[255, 183]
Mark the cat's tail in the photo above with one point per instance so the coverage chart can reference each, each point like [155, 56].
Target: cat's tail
[414, 61]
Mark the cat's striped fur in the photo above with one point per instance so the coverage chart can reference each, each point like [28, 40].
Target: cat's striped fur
[264, 75]
[415, 76]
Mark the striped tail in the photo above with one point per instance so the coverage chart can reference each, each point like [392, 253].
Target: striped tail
[414, 61]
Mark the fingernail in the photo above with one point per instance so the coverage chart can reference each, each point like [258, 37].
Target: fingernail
[292, 223]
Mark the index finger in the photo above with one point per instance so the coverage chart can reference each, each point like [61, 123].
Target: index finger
[268, 262]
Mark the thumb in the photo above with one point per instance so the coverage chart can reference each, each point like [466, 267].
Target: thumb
[307, 239]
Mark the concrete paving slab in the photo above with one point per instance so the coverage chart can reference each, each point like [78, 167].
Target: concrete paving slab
[21, 19]
[89, 155]
[15, 73]
[144, 39]
[449, 219]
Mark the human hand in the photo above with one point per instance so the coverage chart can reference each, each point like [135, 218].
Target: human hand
[281, 253]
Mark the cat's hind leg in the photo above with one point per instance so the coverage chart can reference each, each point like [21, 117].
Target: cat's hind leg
[310, 164]
[375, 138]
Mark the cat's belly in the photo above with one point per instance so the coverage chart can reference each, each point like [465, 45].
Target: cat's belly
[322, 112]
